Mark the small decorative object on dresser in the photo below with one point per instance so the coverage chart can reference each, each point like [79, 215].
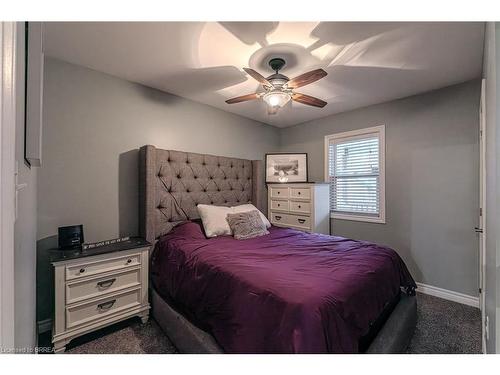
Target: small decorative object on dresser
[286, 167]
[88, 246]
[98, 287]
[300, 206]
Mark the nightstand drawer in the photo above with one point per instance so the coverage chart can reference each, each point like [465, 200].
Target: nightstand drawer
[87, 312]
[92, 268]
[81, 290]
[279, 205]
[302, 193]
[295, 221]
[279, 192]
[300, 207]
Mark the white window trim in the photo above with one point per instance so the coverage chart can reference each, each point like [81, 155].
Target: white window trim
[353, 133]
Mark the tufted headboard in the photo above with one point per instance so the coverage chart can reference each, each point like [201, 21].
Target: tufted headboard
[172, 183]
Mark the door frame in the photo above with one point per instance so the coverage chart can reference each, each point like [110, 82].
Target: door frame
[482, 212]
[7, 180]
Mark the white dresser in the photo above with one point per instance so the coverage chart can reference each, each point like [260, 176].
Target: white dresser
[98, 290]
[300, 206]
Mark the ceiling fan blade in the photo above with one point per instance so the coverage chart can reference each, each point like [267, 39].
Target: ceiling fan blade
[308, 100]
[242, 98]
[306, 78]
[259, 77]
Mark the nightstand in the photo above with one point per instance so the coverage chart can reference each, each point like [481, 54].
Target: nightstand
[98, 287]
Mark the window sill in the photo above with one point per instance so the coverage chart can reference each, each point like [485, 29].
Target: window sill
[378, 220]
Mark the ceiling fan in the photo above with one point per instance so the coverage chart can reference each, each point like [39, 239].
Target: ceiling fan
[279, 88]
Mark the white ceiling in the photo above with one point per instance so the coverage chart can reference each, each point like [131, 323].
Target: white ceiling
[367, 62]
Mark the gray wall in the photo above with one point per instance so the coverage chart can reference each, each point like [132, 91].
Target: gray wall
[496, 229]
[432, 180]
[93, 126]
[25, 227]
[489, 73]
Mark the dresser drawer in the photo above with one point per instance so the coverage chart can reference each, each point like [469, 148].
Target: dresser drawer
[84, 269]
[279, 192]
[279, 205]
[81, 290]
[87, 312]
[295, 221]
[300, 207]
[302, 193]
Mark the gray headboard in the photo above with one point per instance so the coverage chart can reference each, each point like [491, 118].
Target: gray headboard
[172, 183]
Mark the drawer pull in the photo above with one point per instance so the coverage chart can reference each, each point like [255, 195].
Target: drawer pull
[277, 217]
[301, 221]
[279, 205]
[106, 284]
[106, 305]
[278, 192]
[300, 206]
[298, 193]
[129, 261]
[82, 270]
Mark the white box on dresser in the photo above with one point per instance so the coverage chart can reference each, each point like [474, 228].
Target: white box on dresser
[94, 291]
[303, 206]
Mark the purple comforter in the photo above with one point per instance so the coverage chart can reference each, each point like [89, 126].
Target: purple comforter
[286, 292]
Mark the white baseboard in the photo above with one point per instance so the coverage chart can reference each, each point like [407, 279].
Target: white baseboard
[44, 325]
[448, 294]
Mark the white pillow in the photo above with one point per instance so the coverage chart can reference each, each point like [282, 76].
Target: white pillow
[214, 220]
[250, 207]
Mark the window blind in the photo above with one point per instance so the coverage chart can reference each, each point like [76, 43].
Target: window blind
[354, 174]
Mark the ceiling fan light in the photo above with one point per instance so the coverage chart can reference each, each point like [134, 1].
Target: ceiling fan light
[276, 98]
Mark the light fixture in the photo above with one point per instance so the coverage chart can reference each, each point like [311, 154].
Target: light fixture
[276, 98]
[279, 89]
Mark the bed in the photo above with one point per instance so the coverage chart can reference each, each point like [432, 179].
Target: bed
[286, 292]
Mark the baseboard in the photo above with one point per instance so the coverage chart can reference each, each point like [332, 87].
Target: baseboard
[448, 295]
[44, 325]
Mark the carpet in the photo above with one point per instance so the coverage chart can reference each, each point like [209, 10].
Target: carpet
[445, 327]
[442, 327]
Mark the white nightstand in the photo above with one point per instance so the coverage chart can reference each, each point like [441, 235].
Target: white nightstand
[303, 206]
[98, 287]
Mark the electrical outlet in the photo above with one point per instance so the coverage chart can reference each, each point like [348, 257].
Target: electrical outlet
[487, 327]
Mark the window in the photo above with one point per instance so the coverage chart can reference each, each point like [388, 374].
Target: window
[355, 168]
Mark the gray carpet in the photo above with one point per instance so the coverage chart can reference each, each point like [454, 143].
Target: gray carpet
[442, 327]
[128, 337]
[445, 327]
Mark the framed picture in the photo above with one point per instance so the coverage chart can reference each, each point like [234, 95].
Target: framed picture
[284, 167]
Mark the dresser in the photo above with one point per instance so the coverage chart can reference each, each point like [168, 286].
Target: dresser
[300, 206]
[96, 288]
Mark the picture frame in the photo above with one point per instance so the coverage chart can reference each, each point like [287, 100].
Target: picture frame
[286, 167]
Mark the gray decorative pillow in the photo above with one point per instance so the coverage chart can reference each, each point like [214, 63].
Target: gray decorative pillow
[246, 225]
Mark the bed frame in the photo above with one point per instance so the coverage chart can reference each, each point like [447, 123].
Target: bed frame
[172, 183]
